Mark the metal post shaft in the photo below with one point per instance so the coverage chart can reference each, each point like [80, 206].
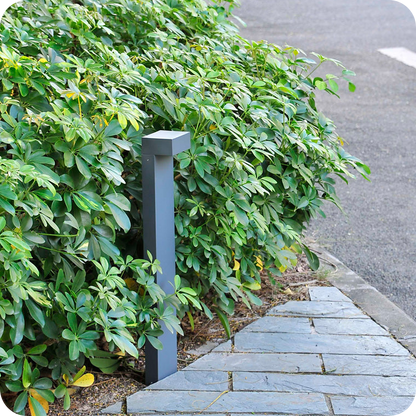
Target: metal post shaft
[158, 150]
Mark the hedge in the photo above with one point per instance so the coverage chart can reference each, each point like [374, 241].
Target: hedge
[82, 82]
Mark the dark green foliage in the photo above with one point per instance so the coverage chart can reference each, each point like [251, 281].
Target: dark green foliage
[82, 82]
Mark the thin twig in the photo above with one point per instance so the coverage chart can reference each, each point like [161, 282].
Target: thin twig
[303, 283]
[203, 410]
[104, 381]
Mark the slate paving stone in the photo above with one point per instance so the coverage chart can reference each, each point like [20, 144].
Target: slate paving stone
[370, 406]
[370, 365]
[278, 324]
[287, 363]
[294, 403]
[113, 409]
[326, 384]
[277, 370]
[348, 327]
[318, 309]
[317, 344]
[169, 401]
[231, 402]
[204, 348]
[327, 294]
[223, 347]
[193, 380]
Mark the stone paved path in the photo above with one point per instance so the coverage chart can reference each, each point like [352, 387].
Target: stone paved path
[318, 357]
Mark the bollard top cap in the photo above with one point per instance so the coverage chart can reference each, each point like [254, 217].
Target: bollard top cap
[166, 143]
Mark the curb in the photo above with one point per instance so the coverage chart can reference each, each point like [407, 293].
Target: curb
[369, 299]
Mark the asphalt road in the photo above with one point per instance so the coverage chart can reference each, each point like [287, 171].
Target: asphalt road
[377, 236]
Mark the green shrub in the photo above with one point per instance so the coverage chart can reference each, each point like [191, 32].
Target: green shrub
[82, 82]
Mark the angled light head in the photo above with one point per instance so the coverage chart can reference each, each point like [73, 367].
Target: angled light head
[166, 143]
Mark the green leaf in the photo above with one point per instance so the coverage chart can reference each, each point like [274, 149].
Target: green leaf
[7, 206]
[19, 244]
[113, 129]
[155, 342]
[39, 349]
[240, 215]
[27, 374]
[83, 167]
[313, 259]
[20, 402]
[37, 314]
[125, 345]
[120, 216]
[333, 85]
[67, 401]
[224, 321]
[60, 391]
[119, 200]
[73, 350]
[14, 386]
[7, 192]
[67, 334]
[321, 85]
[43, 383]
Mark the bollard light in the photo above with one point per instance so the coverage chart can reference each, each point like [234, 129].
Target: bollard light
[158, 150]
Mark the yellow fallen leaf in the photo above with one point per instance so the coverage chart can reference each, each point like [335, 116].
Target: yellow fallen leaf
[43, 402]
[85, 381]
[236, 265]
[287, 291]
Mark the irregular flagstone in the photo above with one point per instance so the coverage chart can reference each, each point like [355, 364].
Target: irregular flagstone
[204, 348]
[317, 344]
[287, 363]
[370, 406]
[348, 326]
[278, 324]
[193, 380]
[370, 365]
[325, 384]
[327, 294]
[257, 402]
[318, 309]
[113, 409]
[170, 401]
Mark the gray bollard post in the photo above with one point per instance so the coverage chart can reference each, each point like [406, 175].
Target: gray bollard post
[158, 150]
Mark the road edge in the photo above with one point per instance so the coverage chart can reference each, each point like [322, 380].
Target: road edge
[369, 299]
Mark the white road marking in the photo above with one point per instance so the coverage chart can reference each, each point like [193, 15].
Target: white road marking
[401, 54]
